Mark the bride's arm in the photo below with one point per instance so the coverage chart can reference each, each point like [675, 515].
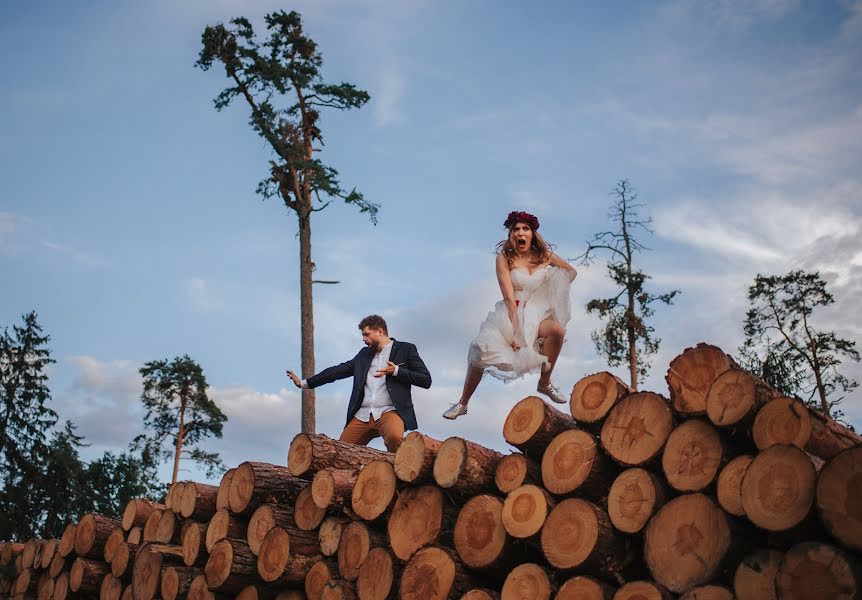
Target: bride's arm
[504, 278]
[556, 261]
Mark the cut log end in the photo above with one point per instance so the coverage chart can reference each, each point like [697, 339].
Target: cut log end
[223, 494]
[353, 548]
[512, 472]
[691, 374]
[416, 519]
[273, 555]
[642, 590]
[300, 455]
[479, 532]
[374, 490]
[415, 457]
[449, 462]
[595, 395]
[839, 497]
[524, 420]
[692, 456]
[306, 513]
[570, 534]
[376, 575]
[316, 578]
[782, 421]
[241, 488]
[731, 397]
[428, 576]
[729, 488]
[708, 592]
[568, 461]
[633, 498]
[685, 542]
[527, 581]
[525, 510]
[754, 578]
[813, 570]
[778, 488]
[585, 588]
[637, 428]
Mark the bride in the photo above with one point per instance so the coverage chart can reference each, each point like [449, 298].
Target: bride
[524, 333]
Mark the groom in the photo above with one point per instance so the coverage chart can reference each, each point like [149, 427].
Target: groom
[383, 371]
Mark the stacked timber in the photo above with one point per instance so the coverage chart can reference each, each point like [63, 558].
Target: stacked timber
[722, 489]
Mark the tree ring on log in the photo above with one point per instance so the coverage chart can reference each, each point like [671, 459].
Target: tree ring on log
[839, 497]
[527, 580]
[416, 519]
[811, 571]
[637, 428]
[782, 420]
[568, 461]
[479, 531]
[428, 576]
[692, 456]
[778, 488]
[374, 489]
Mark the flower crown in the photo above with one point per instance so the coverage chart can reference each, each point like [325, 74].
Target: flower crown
[521, 217]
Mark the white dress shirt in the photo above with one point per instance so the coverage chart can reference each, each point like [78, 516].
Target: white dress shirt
[376, 400]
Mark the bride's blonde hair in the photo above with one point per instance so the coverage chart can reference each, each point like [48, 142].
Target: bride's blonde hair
[540, 248]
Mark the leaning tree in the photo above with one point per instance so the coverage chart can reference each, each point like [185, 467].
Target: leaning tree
[179, 414]
[280, 80]
[781, 339]
[626, 336]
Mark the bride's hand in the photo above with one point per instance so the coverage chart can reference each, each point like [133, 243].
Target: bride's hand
[515, 346]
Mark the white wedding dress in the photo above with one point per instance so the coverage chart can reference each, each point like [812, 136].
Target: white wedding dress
[542, 294]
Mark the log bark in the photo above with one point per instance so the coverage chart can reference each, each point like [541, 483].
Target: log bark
[814, 570]
[528, 580]
[729, 488]
[643, 590]
[637, 428]
[124, 560]
[515, 470]
[465, 467]
[286, 554]
[223, 494]
[333, 488]
[435, 573]
[374, 491]
[256, 483]
[481, 540]
[265, 518]
[754, 578]
[635, 496]
[525, 510]
[329, 534]
[111, 588]
[574, 462]
[309, 453]
[839, 497]
[193, 542]
[692, 456]
[708, 592]
[691, 374]
[532, 424]
[67, 540]
[594, 396]
[778, 488]
[198, 501]
[136, 512]
[735, 397]
[176, 582]
[377, 576]
[231, 566]
[421, 516]
[224, 525]
[86, 575]
[579, 535]
[414, 459]
[686, 542]
[91, 534]
[357, 540]
[307, 514]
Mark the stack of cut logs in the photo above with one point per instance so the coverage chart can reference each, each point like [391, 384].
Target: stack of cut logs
[724, 489]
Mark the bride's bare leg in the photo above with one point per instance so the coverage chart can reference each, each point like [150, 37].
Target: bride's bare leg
[553, 333]
[471, 382]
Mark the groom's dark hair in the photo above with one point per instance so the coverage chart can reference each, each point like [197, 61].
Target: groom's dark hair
[374, 322]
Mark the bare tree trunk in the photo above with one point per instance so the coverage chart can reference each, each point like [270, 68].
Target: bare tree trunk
[306, 266]
[179, 440]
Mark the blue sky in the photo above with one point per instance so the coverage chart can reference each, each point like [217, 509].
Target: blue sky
[129, 222]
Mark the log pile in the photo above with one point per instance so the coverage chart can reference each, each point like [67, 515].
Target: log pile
[723, 489]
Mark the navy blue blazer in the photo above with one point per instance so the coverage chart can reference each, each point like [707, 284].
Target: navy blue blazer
[412, 371]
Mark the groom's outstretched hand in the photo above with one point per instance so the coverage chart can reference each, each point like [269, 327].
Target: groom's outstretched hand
[389, 369]
[294, 378]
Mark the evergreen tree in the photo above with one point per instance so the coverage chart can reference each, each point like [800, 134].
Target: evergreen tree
[25, 420]
[179, 414]
[280, 80]
[786, 348]
[626, 337]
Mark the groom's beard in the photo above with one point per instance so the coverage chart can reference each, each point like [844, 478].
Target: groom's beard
[375, 347]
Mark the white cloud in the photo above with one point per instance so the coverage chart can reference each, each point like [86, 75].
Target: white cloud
[199, 293]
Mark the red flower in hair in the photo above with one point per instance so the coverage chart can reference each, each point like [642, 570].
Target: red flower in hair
[521, 217]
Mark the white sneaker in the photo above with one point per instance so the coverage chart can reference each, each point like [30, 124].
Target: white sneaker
[552, 392]
[455, 411]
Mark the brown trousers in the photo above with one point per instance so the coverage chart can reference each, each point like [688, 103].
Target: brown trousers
[389, 425]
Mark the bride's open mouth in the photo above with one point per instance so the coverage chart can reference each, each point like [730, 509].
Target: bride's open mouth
[522, 244]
